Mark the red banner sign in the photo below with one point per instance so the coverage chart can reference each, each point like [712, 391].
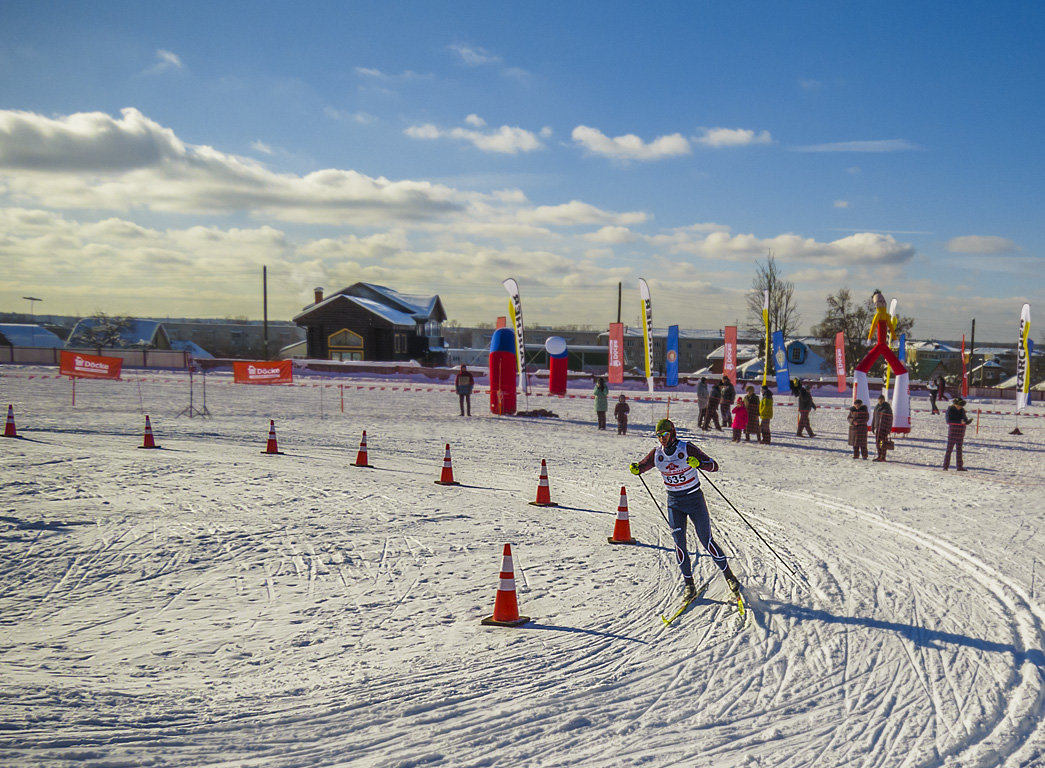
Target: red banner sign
[277, 372]
[83, 366]
[615, 371]
[840, 360]
[729, 360]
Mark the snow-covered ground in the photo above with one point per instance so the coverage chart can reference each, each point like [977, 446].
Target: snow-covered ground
[206, 604]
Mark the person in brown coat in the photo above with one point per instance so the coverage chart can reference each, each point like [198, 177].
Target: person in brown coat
[858, 418]
[620, 412]
[956, 422]
[751, 403]
[882, 421]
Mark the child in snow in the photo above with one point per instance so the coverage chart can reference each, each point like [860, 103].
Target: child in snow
[765, 413]
[620, 411]
[739, 419]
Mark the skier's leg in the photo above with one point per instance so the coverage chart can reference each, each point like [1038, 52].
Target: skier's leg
[677, 518]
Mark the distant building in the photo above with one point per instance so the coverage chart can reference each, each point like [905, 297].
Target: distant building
[118, 333]
[371, 322]
[28, 335]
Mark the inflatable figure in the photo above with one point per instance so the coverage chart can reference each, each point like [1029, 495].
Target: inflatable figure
[502, 372]
[885, 325]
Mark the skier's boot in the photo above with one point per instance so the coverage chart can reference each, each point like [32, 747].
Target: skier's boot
[689, 592]
[732, 581]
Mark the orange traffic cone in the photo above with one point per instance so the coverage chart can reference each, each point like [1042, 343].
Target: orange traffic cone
[622, 528]
[505, 607]
[361, 457]
[148, 442]
[272, 447]
[9, 428]
[447, 476]
[544, 494]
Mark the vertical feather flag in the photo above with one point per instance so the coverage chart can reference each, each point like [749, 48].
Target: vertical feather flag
[515, 311]
[671, 357]
[647, 329]
[840, 360]
[765, 322]
[783, 371]
[1023, 361]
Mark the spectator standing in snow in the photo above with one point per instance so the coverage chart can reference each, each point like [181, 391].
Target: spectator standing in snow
[937, 392]
[739, 419]
[703, 397]
[765, 413]
[956, 422]
[620, 412]
[602, 394]
[678, 462]
[464, 383]
[882, 424]
[805, 406]
[858, 418]
[729, 394]
[712, 412]
[751, 403]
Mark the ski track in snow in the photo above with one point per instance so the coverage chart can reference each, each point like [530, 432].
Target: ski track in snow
[206, 604]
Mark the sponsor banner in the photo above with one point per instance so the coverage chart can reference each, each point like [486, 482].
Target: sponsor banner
[82, 366]
[671, 357]
[515, 312]
[616, 354]
[1023, 361]
[783, 372]
[840, 360]
[729, 360]
[647, 329]
[276, 372]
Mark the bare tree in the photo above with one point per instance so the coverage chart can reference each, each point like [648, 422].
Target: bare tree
[783, 313]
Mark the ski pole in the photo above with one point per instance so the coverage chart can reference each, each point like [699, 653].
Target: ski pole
[654, 500]
[749, 525]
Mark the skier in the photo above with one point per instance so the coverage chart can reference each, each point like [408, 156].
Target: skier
[956, 422]
[678, 462]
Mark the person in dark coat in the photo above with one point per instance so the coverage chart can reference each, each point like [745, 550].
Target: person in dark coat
[601, 393]
[751, 403]
[620, 412]
[882, 423]
[858, 418]
[937, 392]
[703, 396]
[714, 398]
[464, 383]
[729, 396]
[956, 422]
[805, 406]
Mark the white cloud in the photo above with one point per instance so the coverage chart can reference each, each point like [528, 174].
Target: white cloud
[630, 146]
[981, 244]
[576, 213]
[474, 56]
[165, 62]
[841, 203]
[508, 140]
[860, 248]
[611, 235]
[361, 118]
[262, 147]
[732, 137]
[882, 145]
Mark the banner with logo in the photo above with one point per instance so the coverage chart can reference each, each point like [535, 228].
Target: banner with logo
[647, 329]
[81, 366]
[840, 360]
[729, 360]
[515, 312]
[277, 372]
[671, 357]
[1023, 361]
[616, 354]
[783, 372]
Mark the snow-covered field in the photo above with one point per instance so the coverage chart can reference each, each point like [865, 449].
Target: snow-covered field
[206, 604]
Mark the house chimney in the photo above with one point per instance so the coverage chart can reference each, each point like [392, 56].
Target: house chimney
[319, 294]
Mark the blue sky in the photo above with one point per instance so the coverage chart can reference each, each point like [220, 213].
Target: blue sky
[154, 156]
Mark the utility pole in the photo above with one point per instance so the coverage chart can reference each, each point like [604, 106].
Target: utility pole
[972, 349]
[32, 315]
[265, 308]
[620, 290]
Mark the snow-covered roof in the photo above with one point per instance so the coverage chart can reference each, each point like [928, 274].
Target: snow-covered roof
[931, 346]
[138, 333]
[192, 348]
[392, 315]
[395, 307]
[29, 335]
